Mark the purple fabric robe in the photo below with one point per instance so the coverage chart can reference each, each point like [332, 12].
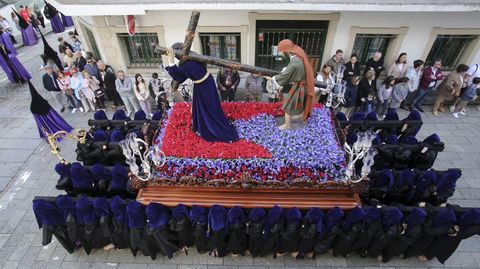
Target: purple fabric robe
[7, 41]
[29, 36]
[57, 24]
[208, 118]
[67, 21]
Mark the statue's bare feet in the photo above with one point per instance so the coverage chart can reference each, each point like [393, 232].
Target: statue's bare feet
[283, 127]
[297, 117]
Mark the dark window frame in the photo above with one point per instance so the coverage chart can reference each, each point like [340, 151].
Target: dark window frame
[144, 55]
[205, 40]
[371, 44]
[449, 48]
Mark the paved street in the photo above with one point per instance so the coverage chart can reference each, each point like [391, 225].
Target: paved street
[26, 170]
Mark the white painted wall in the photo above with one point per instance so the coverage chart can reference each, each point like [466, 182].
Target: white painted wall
[419, 27]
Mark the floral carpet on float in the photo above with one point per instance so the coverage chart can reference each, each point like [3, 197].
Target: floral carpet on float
[263, 150]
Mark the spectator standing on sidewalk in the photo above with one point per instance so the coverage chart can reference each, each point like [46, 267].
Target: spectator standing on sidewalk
[450, 88]
[468, 95]
[124, 87]
[399, 68]
[413, 74]
[375, 64]
[429, 79]
[63, 82]
[50, 84]
[255, 86]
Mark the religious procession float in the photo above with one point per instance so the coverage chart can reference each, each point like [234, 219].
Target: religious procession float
[223, 178]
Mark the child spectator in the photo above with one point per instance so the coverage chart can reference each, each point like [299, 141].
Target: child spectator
[162, 103]
[400, 92]
[351, 96]
[468, 95]
[368, 104]
[384, 96]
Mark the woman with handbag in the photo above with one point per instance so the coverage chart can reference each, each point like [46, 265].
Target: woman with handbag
[89, 85]
[143, 95]
[65, 85]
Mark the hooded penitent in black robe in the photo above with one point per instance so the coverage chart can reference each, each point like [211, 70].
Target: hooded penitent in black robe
[157, 228]
[308, 231]
[468, 224]
[236, 231]
[327, 231]
[437, 223]
[446, 184]
[412, 230]
[351, 228]
[290, 236]
[391, 228]
[217, 221]
[120, 232]
[274, 224]
[50, 219]
[255, 227]
[180, 224]
[139, 238]
[89, 226]
[371, 224]
[199, 219]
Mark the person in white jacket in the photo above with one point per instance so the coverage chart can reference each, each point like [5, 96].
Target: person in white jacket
[413, 74]
[125, 89]
[143, 95]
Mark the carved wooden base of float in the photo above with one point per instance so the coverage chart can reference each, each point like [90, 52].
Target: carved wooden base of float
[265, 198]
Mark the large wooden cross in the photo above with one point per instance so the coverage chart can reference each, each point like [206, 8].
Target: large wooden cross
[184, 54]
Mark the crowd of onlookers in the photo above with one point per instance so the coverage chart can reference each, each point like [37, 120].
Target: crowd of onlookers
[403, 86]
[87, 84]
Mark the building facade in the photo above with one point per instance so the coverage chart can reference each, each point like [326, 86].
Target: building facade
[248, 31]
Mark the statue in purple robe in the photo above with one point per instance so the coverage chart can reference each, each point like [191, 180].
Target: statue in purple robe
[208, 119]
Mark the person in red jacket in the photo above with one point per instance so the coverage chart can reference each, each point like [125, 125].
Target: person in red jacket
[429, 79]
[24, 13]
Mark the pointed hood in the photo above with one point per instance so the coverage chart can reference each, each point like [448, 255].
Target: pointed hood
[117, 135]
[52, 11]
[444, 218]
[371, 116]
[180, 212]
[140, 115]
[21, 21]
[406, 178]
[38, 105]
[100, 115]
[449, 179]
[341, 116]
[417, 216]
[314, 215]
[198, 215]
[433, 138]
[102, 207]
[391, 115]
[392, 217]
[274, 215]
[217, 218]
[85, 211]
[157, 115]
[157, 215]
[66, 205]
[137, 218]
[118, 207]
[257, 215]
[47, 49]
[47, 213]
[293, 215]
[354, 216]
[119, 115]
[469, 218]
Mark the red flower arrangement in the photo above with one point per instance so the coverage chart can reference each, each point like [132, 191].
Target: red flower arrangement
[181, 141]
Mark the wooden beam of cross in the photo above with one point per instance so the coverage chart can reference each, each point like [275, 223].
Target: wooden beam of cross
[191, 29]
[184, 54]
